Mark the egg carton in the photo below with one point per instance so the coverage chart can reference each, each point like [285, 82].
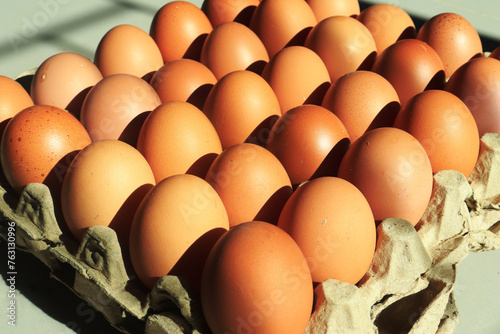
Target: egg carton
[409, 287]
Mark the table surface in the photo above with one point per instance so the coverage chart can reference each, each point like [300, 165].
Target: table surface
[33, 30]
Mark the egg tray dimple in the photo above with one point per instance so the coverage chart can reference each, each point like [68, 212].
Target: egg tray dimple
[412, 276]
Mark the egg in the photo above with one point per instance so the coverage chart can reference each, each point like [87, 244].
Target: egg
[104, 185]
[242, 107]
[183, 80]
[445, 127]
[178, 138]
[220, 11]
[179, 28]
[362, 100]
[387, 24]
[128, 49]
[37, 146]
[325, 8]
[477, 84]
[332, 222]
[309, 141]
[392, 170]
[13, 99]
[344, 44]
[63, 80]
[252, 183]
[116, 107]
[265, 290]
[454, 39]
[411, 66]
[297, 76]
[174, 229]
[281, 23]
[232, 46]
[495, 53]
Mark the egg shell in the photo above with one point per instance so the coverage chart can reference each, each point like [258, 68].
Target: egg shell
[309, 141]
[252, 183]
[220, 11]
[232, 46]
[325, 8]
[178, 138]
[445, 127]
[38, 145]
[332, 222]
[387, 24]
[174, 229]
[281, 23]
[362, 100]
[116, 107]
[297, 76]
[104, 185]
[344, 44]
[13, 99]
[392, 170]
[243, 108]
[266, 290]
[179, 28]
[128, 49]
[411, 66]
[477, 84]
[183, 80]
[454, 39]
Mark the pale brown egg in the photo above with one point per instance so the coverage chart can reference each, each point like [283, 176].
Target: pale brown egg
[344, 44]
[297, 76]
[13, 99]
[116, 107]
[325, 8]
[130, 50]
[63, 80]
[243, 108]
[220, 11]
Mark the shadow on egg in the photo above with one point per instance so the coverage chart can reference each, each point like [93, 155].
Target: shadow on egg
[367, 64]
[75, 105]
[198, 97]
[130, 134]
[316, 97]
[191, 263]
[257, 67]
[261, 132]
[299, 38]
[437, 81]
[271, 210]
[148, 76]
[386, 116]
[408, 33]
[194, 50]
[245, 15]
[200, 167]
[331, 163]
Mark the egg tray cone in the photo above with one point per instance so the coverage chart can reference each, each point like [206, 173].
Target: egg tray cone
[409, 287]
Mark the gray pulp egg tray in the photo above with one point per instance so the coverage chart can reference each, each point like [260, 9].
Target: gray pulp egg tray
[409, 287]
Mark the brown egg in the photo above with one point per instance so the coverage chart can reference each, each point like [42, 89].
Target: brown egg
[178, 138]
[174, 229]
[243, 108]
[477, 84]
[454, 39]
[179, 28]
[252, 183]
[220, 11]
[362, 100]
[63, 80]
[325, 8]
[281, 23]
[445, 127]
[391, 168]
[298, 76]
[344, 44]
[256, 280]
[387, 24]
[333, 225]
[13, 99]
[128, 49]
[309, 141]
[183, 80]
[104, 185]
[231, 46]
[116, 107]
[38, 145]
[411, 66]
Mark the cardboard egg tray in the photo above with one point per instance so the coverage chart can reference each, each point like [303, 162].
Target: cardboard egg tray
[409, 287]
